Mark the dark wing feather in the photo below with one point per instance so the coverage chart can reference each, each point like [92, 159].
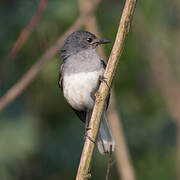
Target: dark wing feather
[60, 79]
[108, 98]
[80, 114]
[103, 63]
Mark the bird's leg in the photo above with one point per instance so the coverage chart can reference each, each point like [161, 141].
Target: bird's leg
[87, 126]
[103, 79]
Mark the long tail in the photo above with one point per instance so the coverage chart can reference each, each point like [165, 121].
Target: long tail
[105, 139]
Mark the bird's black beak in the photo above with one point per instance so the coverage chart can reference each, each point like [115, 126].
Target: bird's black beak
[101, 41]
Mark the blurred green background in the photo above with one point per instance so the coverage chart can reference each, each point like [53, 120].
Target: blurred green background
[41, 138]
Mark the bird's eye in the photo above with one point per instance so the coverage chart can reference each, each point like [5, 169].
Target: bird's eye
[89, 40]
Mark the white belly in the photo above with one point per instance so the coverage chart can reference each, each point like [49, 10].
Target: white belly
[78, 89]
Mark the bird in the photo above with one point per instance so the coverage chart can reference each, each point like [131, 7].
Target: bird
[80, 75]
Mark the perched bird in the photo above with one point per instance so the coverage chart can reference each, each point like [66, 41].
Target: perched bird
[80, 76]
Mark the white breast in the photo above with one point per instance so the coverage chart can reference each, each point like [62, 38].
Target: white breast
[78, 88]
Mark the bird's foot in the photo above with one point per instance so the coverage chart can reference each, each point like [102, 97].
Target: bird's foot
[87, 136]
[104, 79]
[87, 129]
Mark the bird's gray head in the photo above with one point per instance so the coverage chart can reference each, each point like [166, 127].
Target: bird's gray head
[79, 41]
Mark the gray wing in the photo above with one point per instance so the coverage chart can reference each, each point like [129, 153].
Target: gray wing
[60, 79]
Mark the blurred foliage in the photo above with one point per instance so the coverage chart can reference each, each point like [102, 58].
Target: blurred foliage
[40, 136]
